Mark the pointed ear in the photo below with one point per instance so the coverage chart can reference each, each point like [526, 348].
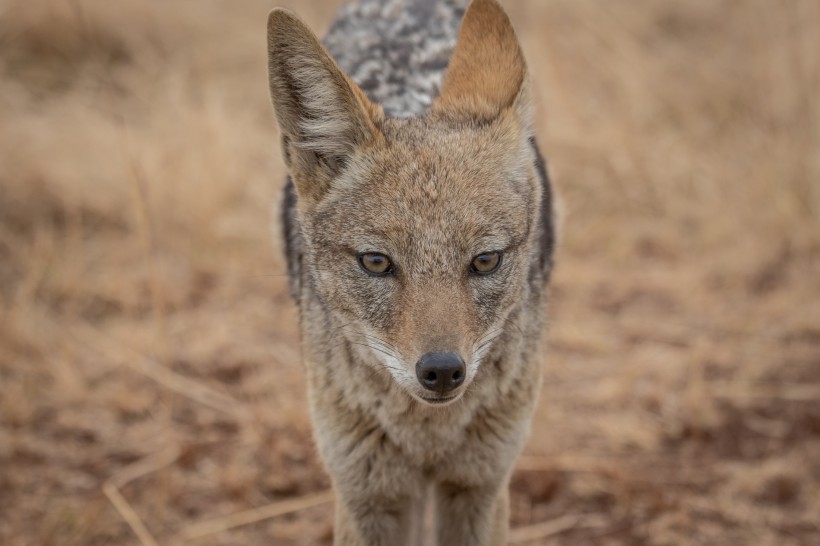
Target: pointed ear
[487, 74]
[324, 117]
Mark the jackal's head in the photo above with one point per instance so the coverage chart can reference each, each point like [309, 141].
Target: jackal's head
[419, 233]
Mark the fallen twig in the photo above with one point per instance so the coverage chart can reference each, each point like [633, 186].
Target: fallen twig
[165, 377]
[112, 486]
[790, 392]
[553, 527]
[215, 525]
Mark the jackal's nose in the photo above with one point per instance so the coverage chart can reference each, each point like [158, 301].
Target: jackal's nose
[440, 372]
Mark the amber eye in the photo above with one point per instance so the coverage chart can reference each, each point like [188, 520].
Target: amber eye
[375, 263]
[486, 263]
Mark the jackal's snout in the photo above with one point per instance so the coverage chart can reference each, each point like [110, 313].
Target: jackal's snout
[441, 372]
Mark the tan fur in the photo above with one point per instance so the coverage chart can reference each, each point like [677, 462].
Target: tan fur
[431, 193]
[487, 72]
[322, 113]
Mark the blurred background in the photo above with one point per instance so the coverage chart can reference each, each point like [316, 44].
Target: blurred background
[151, 390]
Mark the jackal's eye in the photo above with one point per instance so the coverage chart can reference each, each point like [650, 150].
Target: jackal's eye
[486, 263]
[375, 264]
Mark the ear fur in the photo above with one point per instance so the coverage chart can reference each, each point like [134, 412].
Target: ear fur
[324, 117]
[487, 74]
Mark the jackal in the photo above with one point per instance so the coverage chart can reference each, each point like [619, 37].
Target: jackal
[419, 240]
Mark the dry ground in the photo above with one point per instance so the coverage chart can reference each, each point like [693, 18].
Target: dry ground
[146, 336]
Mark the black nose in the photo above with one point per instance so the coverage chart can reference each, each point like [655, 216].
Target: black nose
[440, 372]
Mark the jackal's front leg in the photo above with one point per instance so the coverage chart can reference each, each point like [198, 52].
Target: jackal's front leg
[377, 491]
[472, 516]
[387, 524]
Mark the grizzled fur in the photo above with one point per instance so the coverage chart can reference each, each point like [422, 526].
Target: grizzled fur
[390, 153]
[396, 50]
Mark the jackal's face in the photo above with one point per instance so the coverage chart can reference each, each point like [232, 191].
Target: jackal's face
[418, 232]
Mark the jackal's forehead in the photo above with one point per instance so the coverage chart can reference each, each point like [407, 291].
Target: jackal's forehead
[432, 199]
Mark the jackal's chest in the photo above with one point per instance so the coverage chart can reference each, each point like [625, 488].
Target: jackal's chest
[470, 432]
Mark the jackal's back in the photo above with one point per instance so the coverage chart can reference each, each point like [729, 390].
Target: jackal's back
[396, 50]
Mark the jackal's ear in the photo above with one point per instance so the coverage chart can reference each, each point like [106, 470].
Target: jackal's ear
[324, 116]
[487, 74]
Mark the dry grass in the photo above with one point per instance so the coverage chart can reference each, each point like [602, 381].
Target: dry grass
[147, 341]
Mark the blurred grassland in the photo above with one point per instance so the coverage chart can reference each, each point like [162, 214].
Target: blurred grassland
[144, 317]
